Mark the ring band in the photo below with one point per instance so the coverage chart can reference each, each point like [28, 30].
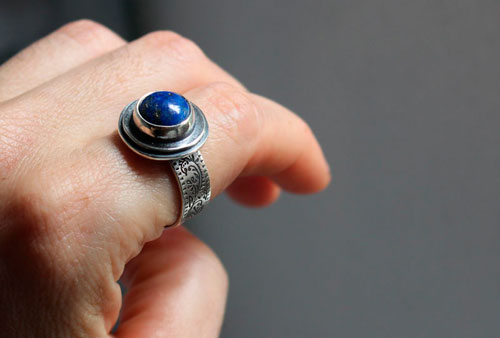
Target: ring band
[194, 184]
[165, 126]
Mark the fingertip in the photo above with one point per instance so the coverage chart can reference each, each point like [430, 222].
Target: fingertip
[254, 191]
[309, 174]
[324, 177]
[294, 181]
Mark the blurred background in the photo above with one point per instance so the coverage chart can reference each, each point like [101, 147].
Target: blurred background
[404, 96]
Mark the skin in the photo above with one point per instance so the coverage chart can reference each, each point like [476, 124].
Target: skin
[79, 210]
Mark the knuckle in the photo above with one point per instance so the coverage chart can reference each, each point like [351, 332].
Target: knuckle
[25, 234]
[237, 114]
[174, 44]
[36, 204]
[160, 38]
[26, 209]
[55, 196]
[29, 224]
[90, 34]
[44, 243]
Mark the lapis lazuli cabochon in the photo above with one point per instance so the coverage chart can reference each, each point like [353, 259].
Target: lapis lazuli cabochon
[164, 108]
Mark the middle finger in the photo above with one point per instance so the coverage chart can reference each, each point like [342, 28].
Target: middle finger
[100, 89]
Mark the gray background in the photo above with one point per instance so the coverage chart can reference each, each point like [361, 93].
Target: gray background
[404, 96]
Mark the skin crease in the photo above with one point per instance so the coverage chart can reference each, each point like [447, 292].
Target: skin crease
[79, 210]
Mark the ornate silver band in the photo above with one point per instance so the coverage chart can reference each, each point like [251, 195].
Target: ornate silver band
[194, 184]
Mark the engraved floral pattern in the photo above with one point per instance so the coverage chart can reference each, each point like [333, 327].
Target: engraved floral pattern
[194, 183]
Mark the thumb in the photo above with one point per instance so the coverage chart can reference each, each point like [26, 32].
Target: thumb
[177, 287]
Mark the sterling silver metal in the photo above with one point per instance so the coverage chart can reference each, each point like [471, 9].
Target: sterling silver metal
[194, 183]
[178, 144]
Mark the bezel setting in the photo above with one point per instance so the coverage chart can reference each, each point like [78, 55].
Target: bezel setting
[162, 142]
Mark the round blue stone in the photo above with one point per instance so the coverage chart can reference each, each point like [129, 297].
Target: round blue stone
[164, 108]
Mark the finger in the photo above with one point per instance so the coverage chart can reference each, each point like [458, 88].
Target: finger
[85, 103]
[158, 61]
[66, 48]
[254, 191]
[295, 160]
[177, 287]
[251, 135]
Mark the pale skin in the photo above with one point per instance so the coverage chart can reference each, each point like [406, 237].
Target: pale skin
[79, 210]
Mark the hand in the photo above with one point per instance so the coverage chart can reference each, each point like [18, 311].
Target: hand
[79, 210]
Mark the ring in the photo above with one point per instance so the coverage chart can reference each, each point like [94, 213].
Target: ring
[166, 126]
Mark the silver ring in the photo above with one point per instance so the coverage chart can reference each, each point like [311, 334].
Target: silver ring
[166, 126]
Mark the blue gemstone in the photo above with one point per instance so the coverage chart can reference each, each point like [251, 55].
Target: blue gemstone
[164, 108]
